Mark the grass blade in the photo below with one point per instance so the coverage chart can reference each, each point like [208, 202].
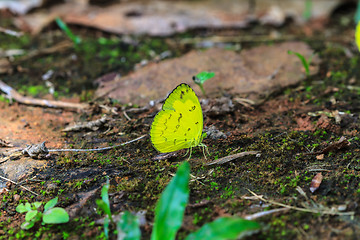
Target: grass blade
[128, 227]
[225, 228]
[304, 62]
[170, 209]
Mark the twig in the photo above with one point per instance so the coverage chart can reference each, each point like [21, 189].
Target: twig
[264, 213]
[127, 116]
[95, 149]
[92, 125]
[232, 157]
[342, 143]
[6, 179]
[11, 32]
[13, 94]
[54, 49]
[329, 212]
[40, 150]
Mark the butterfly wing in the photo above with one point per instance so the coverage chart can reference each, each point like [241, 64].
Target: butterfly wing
[180, 122]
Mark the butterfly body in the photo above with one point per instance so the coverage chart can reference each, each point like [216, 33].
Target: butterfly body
[179, 124]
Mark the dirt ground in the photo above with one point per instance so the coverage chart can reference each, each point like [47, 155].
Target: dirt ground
[298, 132]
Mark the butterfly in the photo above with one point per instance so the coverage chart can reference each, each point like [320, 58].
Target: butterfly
[179, 124]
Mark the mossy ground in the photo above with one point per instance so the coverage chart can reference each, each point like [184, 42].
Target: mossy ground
[137, 180]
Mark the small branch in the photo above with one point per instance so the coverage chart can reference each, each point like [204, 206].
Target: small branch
[40, 150]
[13, 94]
[6, 179]
[328, 212]
[11, 32]
[96, 149]
[264, 213]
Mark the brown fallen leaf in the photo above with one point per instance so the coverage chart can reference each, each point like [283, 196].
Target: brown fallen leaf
[164, 156]
[316, 181]
[5, 66]
[342, 143]
[20, 6]
[92, 125]
[249, 74]
[232, 157]
[80, 202]
[164, 18]
[3, 143]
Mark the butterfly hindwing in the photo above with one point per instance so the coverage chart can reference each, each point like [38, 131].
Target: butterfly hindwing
[180, 122]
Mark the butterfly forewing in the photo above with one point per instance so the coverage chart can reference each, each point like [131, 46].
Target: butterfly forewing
[180, 122]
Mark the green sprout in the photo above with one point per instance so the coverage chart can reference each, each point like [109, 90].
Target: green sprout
[357, 35]
[305, 63]
[128, 225]
[201, 78]
[308, 8]
[104, 204]
[51, 214]
[169, 214]
[62, 25]
[170, 210]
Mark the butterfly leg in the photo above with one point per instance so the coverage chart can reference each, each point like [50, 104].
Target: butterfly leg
[203, 146]
[190, 151]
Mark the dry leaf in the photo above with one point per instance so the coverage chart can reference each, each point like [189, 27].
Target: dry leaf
[316, 181]
[232, 157]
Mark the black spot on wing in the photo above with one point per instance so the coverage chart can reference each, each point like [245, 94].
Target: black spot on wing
[177, 127]
[179, 118]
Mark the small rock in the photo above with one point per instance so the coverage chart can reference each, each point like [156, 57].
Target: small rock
[16, 197]
[213, 133]
[51, 187]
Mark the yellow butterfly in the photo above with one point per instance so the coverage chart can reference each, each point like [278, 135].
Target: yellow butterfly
[179, 124]
[357, 35]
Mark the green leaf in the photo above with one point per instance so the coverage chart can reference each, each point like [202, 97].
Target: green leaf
[55, 215]
[357, 35]
[357, 13]
[27, 225]
[30, 215]
[203, 77]
[128, 227]
[50, 204]
[105, 204]
[106, 226]
[304, 62]
[21, 208]
[170, 209]
[28, 206]
[37, 204]
[308, 10]
[68, 32]
[225, 228]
